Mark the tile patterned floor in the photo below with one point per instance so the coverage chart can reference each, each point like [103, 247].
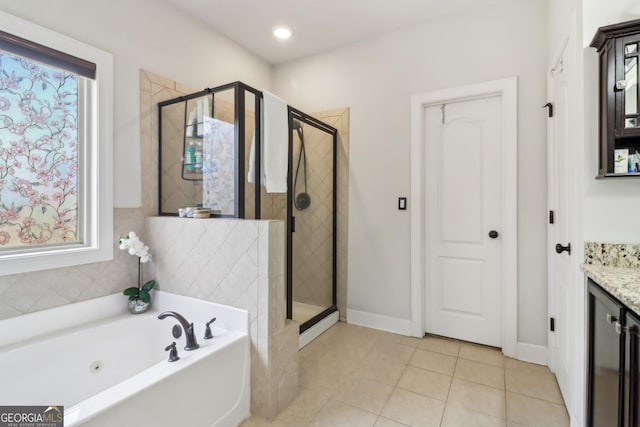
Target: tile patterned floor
[354, 376]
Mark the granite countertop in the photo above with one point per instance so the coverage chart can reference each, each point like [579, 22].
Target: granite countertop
[621, 282]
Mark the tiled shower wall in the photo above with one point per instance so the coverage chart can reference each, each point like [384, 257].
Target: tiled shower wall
[339, 119]
[313, 238]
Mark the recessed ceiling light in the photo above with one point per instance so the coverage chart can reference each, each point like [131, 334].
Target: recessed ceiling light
[282, 32]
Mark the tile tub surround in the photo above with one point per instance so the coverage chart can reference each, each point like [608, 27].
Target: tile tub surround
[612, 254]
[39, 290]
[355, 376]
[239, 263]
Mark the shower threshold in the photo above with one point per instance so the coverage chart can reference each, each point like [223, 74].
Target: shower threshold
[318, 328]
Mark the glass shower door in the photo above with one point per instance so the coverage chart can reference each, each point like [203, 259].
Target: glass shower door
[312, 203]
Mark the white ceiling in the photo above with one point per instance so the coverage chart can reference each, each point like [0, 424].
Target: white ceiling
[318, 25]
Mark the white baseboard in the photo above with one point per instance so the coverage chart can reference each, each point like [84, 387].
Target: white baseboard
[533, 353]
[379, 321]
[314, 332]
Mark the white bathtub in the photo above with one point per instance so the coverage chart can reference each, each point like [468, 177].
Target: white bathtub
[109, 368]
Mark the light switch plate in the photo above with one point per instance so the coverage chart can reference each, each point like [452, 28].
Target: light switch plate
[402, 203]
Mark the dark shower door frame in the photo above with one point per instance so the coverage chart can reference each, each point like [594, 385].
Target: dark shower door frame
[290, 224]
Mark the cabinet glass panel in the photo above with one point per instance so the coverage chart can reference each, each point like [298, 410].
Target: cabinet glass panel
[631, 89]
[631, 123]
[631, 48]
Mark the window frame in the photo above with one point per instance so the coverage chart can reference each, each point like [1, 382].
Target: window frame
[95, 195]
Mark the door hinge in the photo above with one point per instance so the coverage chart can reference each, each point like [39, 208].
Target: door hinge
[550, 107]
[552, 219]
[552, 324]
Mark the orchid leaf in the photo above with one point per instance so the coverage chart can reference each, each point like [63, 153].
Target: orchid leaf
[149, 285]
[131, 292]
[144, 296]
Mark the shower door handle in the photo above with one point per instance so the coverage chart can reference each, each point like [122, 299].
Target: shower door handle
[293, 224]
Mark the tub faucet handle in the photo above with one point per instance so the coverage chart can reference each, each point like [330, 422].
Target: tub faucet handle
[173, 352]
[207, 332]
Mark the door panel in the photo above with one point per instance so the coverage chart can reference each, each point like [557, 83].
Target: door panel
[463, 203]
[561, 200]
[461, 147]
[462, 294]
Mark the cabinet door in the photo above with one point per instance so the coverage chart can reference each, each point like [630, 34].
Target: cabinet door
[631, 372]
[605, 348]
[626, 86]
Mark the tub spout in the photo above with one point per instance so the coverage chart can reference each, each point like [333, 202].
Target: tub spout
[189, 334]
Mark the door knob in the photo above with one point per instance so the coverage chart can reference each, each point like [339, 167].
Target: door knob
[493, 234]
[560, 248]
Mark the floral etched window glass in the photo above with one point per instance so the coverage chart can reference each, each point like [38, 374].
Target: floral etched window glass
[38, 153]
[56, 149]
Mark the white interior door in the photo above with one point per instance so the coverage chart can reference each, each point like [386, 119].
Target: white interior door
[561, 173]
[463, 223]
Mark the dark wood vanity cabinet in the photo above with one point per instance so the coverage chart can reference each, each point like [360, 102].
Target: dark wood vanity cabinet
[632, 374]
[619, 49]
[612, 377]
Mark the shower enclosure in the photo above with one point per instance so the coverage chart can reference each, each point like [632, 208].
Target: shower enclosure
[311, 234]
[204, 159]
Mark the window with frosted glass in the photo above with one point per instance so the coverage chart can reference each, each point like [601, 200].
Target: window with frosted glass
[38, 153]
[56, 149]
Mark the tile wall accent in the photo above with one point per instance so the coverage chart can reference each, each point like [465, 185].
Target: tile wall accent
[238, 263]
[612, 254]
[28, 292]
[155, 89]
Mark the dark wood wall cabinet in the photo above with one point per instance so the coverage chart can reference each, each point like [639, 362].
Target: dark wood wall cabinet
[619, 49]
[612, 377]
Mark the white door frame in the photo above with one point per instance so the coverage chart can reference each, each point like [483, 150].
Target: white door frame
[508, 90]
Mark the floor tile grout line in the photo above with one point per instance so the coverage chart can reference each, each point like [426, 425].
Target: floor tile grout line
[395, 386]
[536, 398]
[504, 393]
[446, 401]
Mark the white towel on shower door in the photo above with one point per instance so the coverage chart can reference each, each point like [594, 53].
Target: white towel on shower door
[275, 143]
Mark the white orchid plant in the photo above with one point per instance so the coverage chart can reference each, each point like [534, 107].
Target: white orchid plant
[132, 244]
